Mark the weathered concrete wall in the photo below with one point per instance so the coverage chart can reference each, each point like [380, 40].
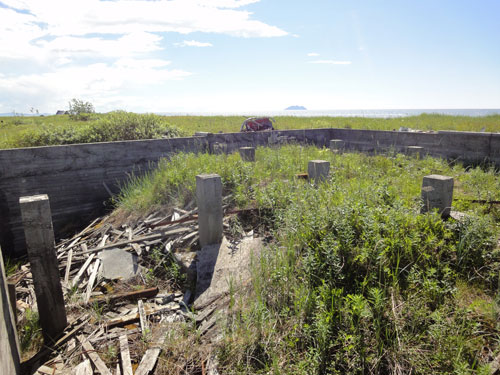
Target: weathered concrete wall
[74, 176]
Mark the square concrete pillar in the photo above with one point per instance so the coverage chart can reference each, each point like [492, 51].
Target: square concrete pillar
[318, 170]
[337, 145]
[37, 222]
[247, 153]
[416, 151]
[209, 199]
[437, 193]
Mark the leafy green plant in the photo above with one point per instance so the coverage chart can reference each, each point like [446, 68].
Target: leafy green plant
[80, 110]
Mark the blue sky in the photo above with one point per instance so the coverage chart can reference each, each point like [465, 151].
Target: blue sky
[249, 55]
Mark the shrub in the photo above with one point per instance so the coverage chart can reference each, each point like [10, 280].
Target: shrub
[80, 110]
[116, 126]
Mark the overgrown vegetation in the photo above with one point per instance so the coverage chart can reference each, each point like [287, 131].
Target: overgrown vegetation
[80, 110]
[116, 126]
[356, 280]
[19, 131]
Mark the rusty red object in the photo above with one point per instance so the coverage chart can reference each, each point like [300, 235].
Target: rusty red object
[257, 124]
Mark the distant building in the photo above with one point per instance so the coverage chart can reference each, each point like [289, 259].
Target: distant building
[61, 112]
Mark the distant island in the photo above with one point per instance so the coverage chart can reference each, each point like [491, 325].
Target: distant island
[296, 108]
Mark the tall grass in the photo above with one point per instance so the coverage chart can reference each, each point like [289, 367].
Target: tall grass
[355, 280]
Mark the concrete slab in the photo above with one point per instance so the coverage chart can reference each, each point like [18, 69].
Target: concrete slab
[224, 267]
[118, 264]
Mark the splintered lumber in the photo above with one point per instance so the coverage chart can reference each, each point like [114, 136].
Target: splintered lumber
[142, 317]
[125, 355]
[92, 279]
[152, 236]
[93, 356]
[82, 270]
[148, 362]
[144, 293]
[84, 368]
[68, 266]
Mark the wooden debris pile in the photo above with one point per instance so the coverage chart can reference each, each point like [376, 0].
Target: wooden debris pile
[106, 314]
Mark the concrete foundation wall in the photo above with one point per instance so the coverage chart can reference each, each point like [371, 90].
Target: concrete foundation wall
[77, 177]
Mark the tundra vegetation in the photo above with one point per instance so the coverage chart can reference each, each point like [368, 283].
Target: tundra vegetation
[354, 279]
[18, 131]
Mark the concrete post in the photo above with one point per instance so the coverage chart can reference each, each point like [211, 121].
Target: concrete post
[337, 145]
[247, 153]
[209, 199]
[37, 222]
[437, 192]
[416, 151]
[318, 170]
[9, 345]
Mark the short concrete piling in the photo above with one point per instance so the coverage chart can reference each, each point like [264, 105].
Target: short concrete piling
[416, 151]
[9, 345]
[209, 199]
[318, 170]
[247, 153]
[37, 221]
[337, 145]
[437, 193]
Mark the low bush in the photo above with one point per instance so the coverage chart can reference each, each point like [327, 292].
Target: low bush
[116, 126]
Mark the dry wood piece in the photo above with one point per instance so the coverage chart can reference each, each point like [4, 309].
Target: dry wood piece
[83, 368]
[82, 270]
[142, 317]
[148, 362]
[125, 356]
[68, 267]
[93, 356]
[145, 293]
[46, 370]
[93, 276]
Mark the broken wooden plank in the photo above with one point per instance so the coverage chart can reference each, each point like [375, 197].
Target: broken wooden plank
[92, 279]
[84, 368]
[68, 266]
[82, 270]
[153, 236]
[142, 317]
[148, 362]
[125, 355]
[93, 356]
[144, 293]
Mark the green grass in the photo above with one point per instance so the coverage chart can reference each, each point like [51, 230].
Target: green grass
[355, 280]
[35, 131]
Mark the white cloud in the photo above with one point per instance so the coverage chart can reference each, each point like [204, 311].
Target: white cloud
[193, 43]
[100, 49]
[313, 54]
[330, 62]
[97, 81]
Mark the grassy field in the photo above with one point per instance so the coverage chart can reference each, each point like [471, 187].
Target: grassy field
[354, 280]
[37, 131]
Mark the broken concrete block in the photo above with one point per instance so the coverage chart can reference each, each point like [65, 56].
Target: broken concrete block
[118, 264]
[223, 268]
[318, 170]
[437, 193]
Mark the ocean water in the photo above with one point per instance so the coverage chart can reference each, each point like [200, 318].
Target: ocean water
[374, 113]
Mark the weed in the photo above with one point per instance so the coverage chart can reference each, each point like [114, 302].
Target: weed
[356, 280]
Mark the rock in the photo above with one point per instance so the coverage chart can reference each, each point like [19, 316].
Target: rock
[118, 264]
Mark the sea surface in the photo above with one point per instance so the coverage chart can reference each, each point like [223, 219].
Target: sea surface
[377, 113]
